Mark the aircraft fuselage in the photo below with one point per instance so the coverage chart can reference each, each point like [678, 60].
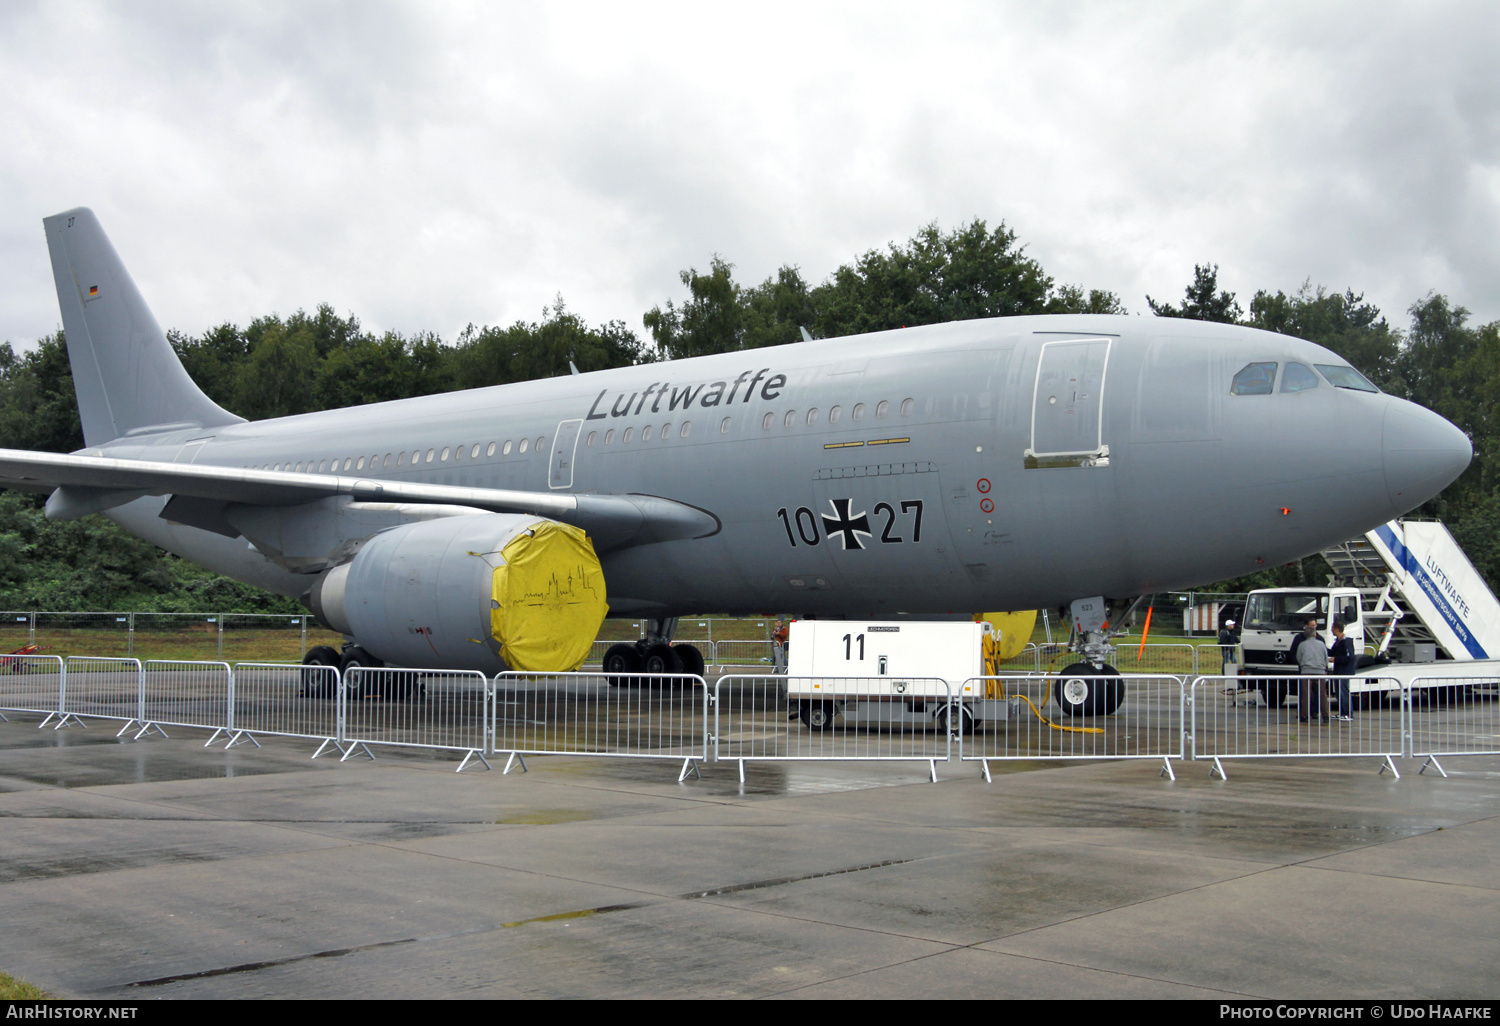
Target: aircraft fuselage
[999, 464]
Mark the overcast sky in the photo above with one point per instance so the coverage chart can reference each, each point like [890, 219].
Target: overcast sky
[426, 166]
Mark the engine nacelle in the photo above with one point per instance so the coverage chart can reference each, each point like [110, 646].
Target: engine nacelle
[467, 592]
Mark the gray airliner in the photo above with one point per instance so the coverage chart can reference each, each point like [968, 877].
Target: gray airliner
[997, 464]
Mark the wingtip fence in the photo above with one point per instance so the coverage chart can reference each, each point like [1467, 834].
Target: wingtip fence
[749, 718]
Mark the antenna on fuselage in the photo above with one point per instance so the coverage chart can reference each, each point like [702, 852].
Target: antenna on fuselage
[572, 366]
[806, 335]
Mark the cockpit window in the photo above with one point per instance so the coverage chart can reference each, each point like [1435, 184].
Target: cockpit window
[1255, 379]
[1298, 377]
[1346, 377]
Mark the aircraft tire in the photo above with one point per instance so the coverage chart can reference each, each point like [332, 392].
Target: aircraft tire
[965, 720]
[621, 659]
[1082, 690]
[355, 656]
[816, 715]
[692, 659]
[660, 658]
[317, 685]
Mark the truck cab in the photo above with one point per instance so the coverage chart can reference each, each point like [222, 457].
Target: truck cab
[1275, 616]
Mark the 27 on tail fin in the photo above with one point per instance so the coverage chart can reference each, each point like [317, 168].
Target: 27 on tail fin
[127, 378]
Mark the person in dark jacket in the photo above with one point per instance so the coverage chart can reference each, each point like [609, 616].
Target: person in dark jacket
[1345, 662]
[1228, 640]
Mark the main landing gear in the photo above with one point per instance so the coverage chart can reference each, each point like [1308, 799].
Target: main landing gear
[324, 685]
[653, 654]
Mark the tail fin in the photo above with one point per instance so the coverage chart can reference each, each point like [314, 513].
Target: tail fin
[125, 373]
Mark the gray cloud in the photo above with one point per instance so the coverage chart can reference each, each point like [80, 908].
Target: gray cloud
[426, 166]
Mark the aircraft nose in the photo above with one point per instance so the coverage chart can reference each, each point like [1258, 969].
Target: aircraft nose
[1424, 453]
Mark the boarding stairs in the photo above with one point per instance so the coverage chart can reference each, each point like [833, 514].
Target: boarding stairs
[1417, 586]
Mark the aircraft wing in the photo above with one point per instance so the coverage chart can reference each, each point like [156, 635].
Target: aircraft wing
[201, 493]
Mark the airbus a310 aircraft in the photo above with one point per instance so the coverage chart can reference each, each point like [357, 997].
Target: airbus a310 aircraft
[1000, 464]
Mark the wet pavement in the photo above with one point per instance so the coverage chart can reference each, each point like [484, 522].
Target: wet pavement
[161, 869]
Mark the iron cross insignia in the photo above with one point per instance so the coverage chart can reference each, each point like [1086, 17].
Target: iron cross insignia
[846, 527]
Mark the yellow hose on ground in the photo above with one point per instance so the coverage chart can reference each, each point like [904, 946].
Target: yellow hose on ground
[1072, 730]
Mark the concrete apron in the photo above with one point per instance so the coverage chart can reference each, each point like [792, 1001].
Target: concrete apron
[162, 869]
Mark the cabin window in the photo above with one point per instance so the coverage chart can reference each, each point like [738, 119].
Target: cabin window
[491, 450]
[687, 426]
[627, 436]
[444, 455]
[812, 416]
[322, 466]
[906, 407]
[1254, 379]
[506, 451]
[458, 451]
[646, 433]
[834, 414]
[1345, 377]
[609, 437]
[387, 461]
[348, 463]
[724, 425]
[474, 452]
[1298, 377]
[400, 459]
[299, 468]
[277, 467]
[589, 441]
[541, 443]
[882, 410]
[524, 443]
[789, 419]
[361, 464]
[858, 413]
[666, 432]
[765, 422]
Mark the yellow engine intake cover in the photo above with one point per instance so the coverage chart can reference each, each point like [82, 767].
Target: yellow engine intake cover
[548, 599]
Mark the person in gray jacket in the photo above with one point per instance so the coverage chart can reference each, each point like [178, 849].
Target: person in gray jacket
[1312, 666]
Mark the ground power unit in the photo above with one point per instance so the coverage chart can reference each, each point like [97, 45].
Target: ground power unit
[892, 673]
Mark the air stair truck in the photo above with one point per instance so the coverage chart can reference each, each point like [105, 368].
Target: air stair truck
[1408, 598]
[890, 673]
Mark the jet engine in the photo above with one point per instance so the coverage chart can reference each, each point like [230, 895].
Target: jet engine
[468, 592]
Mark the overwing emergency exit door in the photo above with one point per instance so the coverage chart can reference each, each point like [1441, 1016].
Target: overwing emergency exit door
[1067, 424]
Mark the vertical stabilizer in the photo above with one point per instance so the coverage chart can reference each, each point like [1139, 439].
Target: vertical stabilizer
[125, 373]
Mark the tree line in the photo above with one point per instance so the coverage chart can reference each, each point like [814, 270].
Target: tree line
[281, 365]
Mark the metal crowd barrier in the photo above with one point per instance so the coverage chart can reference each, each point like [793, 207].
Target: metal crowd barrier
[447, 709]
[1028, 659]
[771, 717]
[634, 715]
[284, 699]
[102, 688]
[1210, 659]
[1179, 660]
[179, 693]
[1453, 716]
[739, 653]
[1018, 717]
[31, 683]
[1222, 727]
